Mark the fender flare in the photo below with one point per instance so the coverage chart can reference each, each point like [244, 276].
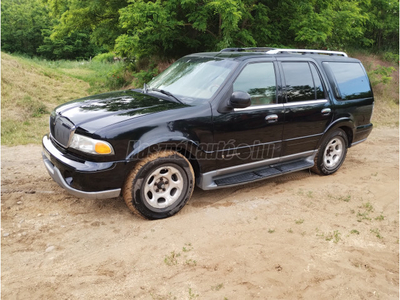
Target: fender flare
[143, 148]
[345, 124]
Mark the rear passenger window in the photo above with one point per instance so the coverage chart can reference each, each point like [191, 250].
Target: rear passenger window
[258, 80]
[302, 82]
[349, 80]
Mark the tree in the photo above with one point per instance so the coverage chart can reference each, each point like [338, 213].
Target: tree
[99, 18]
[27, 27]
[173, 28]
[22, 23]
[77, 45]
[382, 26]
[318, 23]
[143, 29]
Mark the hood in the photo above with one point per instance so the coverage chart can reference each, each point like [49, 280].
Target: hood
[98, 111]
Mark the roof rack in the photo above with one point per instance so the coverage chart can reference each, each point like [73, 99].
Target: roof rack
[269, 50]
[252, 49]
[306, 51]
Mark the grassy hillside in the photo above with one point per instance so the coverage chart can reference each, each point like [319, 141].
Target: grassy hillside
[28, 93]
[31, 88]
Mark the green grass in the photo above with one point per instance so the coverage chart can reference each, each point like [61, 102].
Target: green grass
[377, 233]
[191, 262]
[192, 295]
[172, 258]
[368, 207]
[188, 247]
[329, 236]
[346, 198]
[32, 88]
[363, 216]
[101, 76]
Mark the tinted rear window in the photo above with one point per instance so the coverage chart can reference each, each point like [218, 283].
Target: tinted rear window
[302, 82]
[349, 80]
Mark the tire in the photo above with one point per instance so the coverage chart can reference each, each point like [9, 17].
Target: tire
[331, 153]
[160, 185]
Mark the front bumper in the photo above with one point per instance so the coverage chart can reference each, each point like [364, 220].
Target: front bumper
[83, 179]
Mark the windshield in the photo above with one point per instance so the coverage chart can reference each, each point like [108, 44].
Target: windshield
[193, 79]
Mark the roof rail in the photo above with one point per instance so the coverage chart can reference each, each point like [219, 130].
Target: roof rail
[306, 51]
[269, 50]
[233, 50]
[252, 49]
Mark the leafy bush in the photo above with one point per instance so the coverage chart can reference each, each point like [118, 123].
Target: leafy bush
[381, 75]
[118, 78]
[391, 57]
[144, 76]
[105, 57]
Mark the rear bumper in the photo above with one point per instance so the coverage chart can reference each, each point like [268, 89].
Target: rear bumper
[361, 134]
[83, 179]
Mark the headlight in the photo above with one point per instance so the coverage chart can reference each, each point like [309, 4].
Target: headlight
[89, 145]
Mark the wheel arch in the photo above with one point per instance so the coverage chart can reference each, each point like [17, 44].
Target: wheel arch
[345, 124]
[188, 148]
[349, 133]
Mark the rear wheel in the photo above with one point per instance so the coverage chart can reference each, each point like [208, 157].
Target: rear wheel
[331, 153]
[159, 185]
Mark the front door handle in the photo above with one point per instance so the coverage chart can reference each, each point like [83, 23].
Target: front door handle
[326, 111]
[271, 118]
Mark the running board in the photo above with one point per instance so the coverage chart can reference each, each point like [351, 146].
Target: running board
[263, 173]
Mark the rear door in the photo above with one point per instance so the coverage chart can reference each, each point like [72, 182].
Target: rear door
[308, 110]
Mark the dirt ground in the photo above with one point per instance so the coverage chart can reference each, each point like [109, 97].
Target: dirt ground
[301, 236]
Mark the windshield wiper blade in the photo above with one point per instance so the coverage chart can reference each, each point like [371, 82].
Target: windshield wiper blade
[166, 93]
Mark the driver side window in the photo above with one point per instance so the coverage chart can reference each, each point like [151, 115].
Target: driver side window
[259, 81]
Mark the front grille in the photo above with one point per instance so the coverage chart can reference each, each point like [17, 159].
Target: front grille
[62, 130]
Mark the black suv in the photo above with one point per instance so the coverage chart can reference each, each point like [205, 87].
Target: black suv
[212, 119]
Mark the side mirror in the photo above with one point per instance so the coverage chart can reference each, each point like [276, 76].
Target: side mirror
[240, 100]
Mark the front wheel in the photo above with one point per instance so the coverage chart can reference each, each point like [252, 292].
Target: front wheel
[159, 185]
[331, 153]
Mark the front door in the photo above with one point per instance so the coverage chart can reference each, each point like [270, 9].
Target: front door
[254, 133]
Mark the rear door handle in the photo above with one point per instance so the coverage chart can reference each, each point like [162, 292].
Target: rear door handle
[271, 118]
[326, 111]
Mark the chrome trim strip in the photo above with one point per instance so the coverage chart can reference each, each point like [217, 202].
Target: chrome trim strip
[282, 105]
[206, 180]
[306, 102]
[256, 107]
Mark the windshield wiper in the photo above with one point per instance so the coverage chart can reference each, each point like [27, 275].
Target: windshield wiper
[165, 93]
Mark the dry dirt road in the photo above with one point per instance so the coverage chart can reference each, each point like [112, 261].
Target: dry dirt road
[301, 236]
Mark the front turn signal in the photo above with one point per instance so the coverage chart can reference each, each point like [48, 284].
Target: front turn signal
[102, 148]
